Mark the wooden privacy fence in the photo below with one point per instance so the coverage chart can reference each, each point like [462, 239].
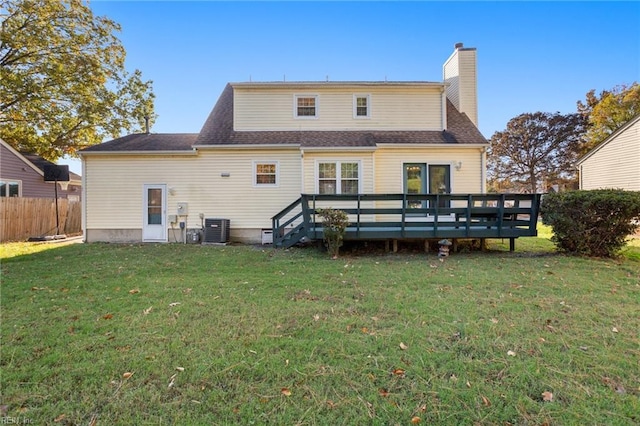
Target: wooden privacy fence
[21, 218]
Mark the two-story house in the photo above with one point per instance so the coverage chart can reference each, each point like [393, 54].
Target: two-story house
[265, 143]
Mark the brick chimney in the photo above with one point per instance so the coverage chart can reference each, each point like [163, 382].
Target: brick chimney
[460, 72]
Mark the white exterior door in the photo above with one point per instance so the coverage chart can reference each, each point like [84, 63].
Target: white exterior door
[154, 228]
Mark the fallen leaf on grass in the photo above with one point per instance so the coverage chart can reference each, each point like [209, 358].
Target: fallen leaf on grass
[172, 381]
[285, 391]
[171, 305]
[415, 420]
[148, 310]
[127, 375]
[485, 401]
[180, 369]
[60, 418]
[511, 353]
[108, 316]
[547, 396]
[383, 392]
[134, 291]
[614, 329]
[403, 346]
[399, 372]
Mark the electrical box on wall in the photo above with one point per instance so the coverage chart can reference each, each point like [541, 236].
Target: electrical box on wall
[183, 209]
[173, 218]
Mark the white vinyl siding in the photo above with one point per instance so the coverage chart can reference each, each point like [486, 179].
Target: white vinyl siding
[460, 72]
[615, 164]
[396, 108]
[389, 167]
[216, 183]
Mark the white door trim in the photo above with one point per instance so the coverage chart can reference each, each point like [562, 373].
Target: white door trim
[156, 231]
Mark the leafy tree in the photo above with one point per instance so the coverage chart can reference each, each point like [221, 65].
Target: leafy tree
[63, 82]
[535, 151]
[608, 111]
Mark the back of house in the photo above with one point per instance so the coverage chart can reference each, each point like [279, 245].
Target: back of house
[265, 143]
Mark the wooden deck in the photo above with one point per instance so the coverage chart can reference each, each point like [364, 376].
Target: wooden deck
[395, 217]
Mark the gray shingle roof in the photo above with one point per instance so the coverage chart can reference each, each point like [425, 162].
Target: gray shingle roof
[148, 142]
[40, 163]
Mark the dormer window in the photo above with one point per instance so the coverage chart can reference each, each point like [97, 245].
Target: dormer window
[306, 106]
[361, 106]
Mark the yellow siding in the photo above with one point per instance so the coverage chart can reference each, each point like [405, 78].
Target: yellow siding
[398, 108]
[460, 72]
[616, 164]
[389, 167]
[114, 187]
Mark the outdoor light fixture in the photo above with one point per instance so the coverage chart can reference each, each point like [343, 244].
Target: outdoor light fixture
[458, 165]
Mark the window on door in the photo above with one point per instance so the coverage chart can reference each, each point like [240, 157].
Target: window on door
[154, 207]
[420, 178]
[440, 182]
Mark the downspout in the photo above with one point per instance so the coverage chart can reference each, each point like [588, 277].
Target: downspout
[483, 170]
[302, 177]
[83, 194]
[444, 109]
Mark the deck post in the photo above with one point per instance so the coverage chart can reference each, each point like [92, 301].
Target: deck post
[512, 244]
[395, 246]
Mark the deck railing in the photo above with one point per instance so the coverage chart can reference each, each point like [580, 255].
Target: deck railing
[412, 216]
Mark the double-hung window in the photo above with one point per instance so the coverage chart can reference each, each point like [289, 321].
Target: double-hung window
[9, 188]
[338, 177]
[306, 106]
[265, 173]
[361, 106]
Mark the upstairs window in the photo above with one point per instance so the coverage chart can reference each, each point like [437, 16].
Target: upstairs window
[9, 188]
[338, 177]
[306, 106]
[361, 106]
[265, 173]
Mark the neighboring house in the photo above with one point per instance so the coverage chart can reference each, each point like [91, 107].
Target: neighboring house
[615, 162]
[22, 175]
[266, 143]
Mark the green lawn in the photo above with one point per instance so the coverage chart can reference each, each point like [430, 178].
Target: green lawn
[180, 334]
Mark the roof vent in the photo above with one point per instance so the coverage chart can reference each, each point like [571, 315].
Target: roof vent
[459, 46]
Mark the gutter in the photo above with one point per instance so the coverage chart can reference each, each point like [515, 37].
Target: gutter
[104, 153]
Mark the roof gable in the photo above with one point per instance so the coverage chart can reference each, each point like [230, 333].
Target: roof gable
[23, 158]
[610, 138]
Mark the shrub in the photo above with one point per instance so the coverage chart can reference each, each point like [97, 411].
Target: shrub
[335, 223]
[592, 223]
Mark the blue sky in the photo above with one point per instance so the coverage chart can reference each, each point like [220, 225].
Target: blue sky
[532, 56]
